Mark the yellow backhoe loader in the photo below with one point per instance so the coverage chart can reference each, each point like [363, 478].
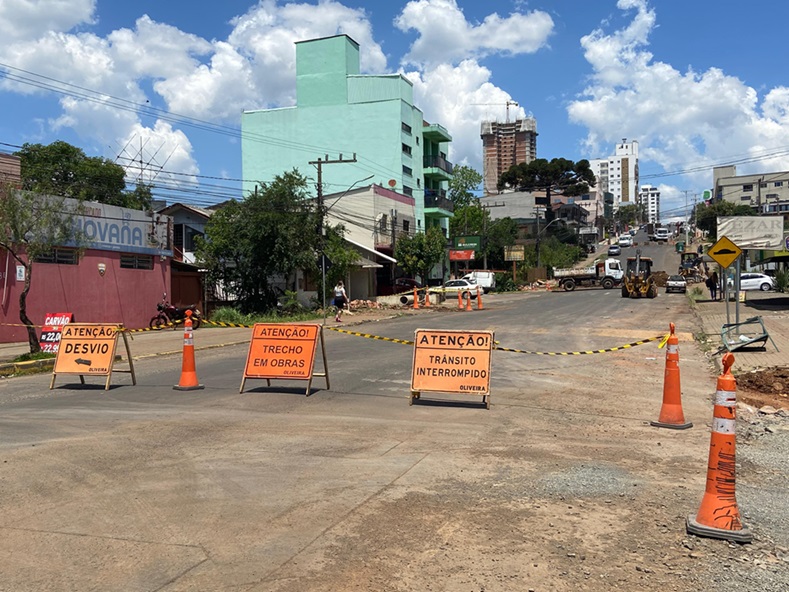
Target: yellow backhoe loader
[638, 281]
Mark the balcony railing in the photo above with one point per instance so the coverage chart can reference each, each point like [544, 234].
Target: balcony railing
[438, 162]
[437, 199]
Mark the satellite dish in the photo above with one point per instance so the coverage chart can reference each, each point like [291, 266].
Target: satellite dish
[392, 183]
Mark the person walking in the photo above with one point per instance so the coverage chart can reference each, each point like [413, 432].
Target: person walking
[340, 298]
[714, 284]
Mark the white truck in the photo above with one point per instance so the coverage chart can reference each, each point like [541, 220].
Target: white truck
[486, 280]
[607, 273]
[661, 235]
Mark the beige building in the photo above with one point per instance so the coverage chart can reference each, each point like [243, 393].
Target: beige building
[618, 174]
[10, 169]
[504, 145]
[767, 193]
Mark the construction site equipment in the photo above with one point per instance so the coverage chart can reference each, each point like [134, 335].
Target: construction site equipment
[638, 281]
[671, 415]
[719, 516]
[690, 267]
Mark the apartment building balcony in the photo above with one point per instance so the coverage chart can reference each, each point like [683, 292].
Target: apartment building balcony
[436, 133]
[437, 205]
[437, 167]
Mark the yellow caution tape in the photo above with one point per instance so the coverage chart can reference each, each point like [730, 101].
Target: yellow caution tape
[370, 336]
[663, 342]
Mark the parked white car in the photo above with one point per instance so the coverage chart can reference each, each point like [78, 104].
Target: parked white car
[754, 281]
[452, 287]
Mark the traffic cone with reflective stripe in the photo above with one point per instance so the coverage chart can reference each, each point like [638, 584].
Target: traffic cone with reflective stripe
[460, 300]
[671, 415]
[468, 301]
[416, 299]
[188, 380]
[479, 299]
[427, 298]
[719, 516]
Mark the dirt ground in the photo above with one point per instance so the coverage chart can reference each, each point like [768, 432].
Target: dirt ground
[769, 386]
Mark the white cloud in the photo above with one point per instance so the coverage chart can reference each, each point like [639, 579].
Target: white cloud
[681, 120]
[459, 98]
[445, 36]
[22, 20]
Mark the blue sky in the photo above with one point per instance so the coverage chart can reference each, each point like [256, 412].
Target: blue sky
[697, 84]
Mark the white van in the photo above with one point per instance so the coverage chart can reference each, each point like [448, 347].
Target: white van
[484, 279]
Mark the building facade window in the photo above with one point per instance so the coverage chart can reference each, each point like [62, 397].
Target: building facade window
[59, 256]
[408, 191]
[747, 188]
[778, 184]
[406, 225]
[405, 127]
[408, 171]
[745, 198]
[407, 149]
[134, 261]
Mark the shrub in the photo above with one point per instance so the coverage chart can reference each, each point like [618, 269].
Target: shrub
[782, 280]
[505, 283]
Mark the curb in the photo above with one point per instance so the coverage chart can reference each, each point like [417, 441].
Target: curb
[9, 368]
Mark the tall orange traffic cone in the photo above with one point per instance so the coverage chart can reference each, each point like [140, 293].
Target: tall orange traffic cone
[468, 301]
[416, 300]
[671, 415]
[460, 300]
[719, 515]
[479, 299]
[427, 298]
[188, 380]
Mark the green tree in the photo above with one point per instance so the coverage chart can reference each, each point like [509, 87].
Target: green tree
[417, 254]
[64, 170]
[628, 214]
[474, 220]
[32, 226]
[270, 232]
[464, 181]
[707, 215]
[558, 176]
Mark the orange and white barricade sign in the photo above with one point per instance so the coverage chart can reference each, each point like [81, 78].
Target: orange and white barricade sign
[452, 362]
[285, 351]
[89, 349]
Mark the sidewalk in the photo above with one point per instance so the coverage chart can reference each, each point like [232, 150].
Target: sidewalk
[773, 307]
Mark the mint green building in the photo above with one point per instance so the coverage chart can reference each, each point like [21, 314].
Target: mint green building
[340, 114]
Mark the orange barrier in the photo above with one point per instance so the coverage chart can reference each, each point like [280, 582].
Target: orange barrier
[719, 516]
[416, 299]
[468, 302]
[671, 415]
[188, 380]
[427, 298]
[460, 300]
[479, 298]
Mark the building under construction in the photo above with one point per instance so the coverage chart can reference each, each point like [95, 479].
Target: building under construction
[506, 144]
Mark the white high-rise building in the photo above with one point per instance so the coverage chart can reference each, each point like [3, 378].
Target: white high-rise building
[650, 198]
[618, 174]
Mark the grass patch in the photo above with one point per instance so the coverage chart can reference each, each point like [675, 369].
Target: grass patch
[228, 314]
[37, 356]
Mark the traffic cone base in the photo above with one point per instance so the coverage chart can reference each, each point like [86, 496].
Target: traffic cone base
[743, 535]
[671, 426]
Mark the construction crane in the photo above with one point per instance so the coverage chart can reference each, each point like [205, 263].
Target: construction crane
[507, 104]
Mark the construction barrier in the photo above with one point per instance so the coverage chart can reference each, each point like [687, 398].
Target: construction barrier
[416, 299]
[671, 415]
[285, 351]
[452, 362]
[719, 516]
[479, 298]
[188, 380]
[89, 349]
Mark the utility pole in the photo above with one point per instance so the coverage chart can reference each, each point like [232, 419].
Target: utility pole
[321, 232]
[687, 217]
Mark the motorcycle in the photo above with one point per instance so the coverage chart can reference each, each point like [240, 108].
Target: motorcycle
[169, 314]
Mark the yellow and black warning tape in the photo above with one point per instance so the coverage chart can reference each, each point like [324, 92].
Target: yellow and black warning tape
[236, 325]
[513, 350]
[370, 336]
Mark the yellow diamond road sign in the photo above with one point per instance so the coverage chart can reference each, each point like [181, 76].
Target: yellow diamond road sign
[724, 252]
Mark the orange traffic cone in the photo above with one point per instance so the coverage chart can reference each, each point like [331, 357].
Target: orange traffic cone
[671, 415]
[479, 299]
[427, 298]
[719, 516]
[468, 301]
[416, 300]
[188, 380]
[460, 300]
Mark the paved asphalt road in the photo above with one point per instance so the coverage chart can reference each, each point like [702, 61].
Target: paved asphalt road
[147, 488]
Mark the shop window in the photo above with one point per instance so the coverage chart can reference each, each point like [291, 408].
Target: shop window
[59, 256]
